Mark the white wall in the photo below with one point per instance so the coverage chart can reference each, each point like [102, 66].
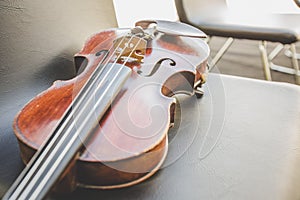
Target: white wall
[130, 11]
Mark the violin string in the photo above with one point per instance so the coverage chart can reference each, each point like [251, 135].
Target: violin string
[80, 102]
[30, 164]
[116, 60]
[79, 130]
[24, 173]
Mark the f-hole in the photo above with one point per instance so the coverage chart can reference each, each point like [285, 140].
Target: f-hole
[157, 66]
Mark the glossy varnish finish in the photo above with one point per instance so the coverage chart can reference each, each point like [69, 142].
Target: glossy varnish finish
[130, 142]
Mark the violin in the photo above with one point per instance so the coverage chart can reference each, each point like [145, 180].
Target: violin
[107, 127]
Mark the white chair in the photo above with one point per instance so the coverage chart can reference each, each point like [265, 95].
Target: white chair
[215, 19]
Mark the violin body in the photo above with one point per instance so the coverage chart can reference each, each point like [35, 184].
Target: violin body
[130, 141]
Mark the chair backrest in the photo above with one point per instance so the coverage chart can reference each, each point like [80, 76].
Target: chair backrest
[38, 35]
[34, 32]
[38, 41]
[187, 8]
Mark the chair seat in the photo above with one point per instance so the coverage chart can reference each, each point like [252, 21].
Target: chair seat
[242, 136]
[269, 27]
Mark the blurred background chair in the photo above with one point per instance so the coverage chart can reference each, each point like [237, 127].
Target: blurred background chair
[215, 19]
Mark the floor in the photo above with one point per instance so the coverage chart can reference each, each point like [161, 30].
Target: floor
[243, 59]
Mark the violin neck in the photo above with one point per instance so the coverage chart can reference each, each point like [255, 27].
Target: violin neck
[50, 161]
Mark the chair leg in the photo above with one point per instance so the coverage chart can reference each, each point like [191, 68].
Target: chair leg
[288, 53]
[294, 57]
[221, 52]
[275, 52]
[295, 63]
[265, 60]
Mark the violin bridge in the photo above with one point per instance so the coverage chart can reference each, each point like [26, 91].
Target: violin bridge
[131, 48]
